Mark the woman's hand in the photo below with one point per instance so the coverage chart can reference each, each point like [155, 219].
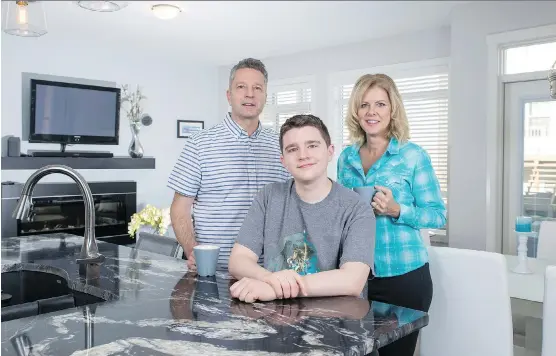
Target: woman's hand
[384, 203]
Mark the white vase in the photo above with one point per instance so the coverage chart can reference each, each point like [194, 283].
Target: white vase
[135, 149]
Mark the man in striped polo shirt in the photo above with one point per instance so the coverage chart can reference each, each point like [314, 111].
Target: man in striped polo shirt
[220, 169]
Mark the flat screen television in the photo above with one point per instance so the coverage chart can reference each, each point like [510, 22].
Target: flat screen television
[69, 113]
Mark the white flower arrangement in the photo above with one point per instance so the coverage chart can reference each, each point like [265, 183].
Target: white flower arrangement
[134, 100]
[159, 219]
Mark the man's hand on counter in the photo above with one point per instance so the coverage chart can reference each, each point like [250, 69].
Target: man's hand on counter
[191, 264]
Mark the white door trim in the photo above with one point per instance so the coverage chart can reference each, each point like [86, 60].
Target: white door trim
[517, 94]
[494, 123]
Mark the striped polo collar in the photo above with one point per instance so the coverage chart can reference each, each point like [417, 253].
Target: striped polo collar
[237, 130]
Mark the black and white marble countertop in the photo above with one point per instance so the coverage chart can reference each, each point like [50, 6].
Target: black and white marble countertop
[156, 307]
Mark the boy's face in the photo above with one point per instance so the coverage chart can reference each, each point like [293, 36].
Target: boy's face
[305, 154]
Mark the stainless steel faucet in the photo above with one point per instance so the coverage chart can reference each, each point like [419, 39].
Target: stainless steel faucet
[23, 210]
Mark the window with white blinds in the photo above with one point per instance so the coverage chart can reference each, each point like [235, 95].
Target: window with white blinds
[284, 101]
[426, 103]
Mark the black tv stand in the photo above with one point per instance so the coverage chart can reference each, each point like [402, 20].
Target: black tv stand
[64, 153]
[116, 162]
[88, 154]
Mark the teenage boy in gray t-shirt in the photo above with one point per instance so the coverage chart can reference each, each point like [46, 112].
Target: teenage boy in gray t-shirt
[316, 237]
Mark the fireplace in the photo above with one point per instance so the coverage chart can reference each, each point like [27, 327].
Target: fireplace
[59, 207]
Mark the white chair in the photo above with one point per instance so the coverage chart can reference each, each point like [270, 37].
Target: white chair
[549, 313]
[546, 249]
[426, 236]
[470, 312]
[164, 245]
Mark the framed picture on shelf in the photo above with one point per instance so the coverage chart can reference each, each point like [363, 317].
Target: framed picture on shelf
[187, 128]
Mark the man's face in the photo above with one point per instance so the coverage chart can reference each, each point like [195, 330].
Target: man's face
[305, 154]
[247, 93]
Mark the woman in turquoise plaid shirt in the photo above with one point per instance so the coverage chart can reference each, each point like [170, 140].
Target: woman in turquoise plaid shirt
[407, 197]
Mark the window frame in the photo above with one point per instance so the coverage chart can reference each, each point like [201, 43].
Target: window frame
[401, 70]
[282, 85]
[410, 69]
[495, 81]
[520, 44]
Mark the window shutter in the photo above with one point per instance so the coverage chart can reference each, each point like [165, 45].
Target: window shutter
[285, 101]
[426, 104]
[345, 94]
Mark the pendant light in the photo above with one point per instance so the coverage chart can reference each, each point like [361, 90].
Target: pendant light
[25, 19]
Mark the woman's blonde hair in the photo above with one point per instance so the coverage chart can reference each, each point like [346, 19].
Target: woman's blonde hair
[398, 128]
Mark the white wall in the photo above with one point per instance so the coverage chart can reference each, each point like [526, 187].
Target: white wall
[413, 47]
[400, 49]
[470, 25]
[175, 89]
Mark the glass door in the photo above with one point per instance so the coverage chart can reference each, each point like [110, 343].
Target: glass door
[529, 158]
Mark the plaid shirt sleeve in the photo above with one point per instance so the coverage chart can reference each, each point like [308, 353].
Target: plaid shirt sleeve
[343, 170]
[429, 210]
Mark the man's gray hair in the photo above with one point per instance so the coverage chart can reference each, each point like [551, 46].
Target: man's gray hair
[251, 63]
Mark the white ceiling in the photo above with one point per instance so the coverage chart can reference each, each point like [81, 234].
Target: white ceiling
[221, 32]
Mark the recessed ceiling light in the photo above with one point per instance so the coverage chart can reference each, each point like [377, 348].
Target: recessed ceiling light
[102, 6]
[165, 11]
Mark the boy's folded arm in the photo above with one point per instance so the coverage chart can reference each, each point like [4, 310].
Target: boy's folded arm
[243, 263]
[249, 244]
[355, 262]
[350, 279]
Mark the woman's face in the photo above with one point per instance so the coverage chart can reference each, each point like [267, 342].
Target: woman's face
[374, 113]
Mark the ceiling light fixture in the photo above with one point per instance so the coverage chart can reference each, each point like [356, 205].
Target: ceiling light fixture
[165, 11]
[102, 6]
[25, 19]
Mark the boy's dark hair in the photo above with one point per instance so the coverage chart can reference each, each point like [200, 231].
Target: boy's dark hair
[299, 121]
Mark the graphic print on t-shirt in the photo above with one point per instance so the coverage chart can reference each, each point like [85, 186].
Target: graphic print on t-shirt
[297, 253]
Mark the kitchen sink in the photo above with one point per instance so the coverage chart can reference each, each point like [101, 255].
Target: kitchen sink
[29, 293]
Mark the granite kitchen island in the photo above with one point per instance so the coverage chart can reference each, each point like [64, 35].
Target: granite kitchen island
[154, 306]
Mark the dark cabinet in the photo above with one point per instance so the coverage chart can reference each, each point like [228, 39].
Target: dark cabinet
[59, 207]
